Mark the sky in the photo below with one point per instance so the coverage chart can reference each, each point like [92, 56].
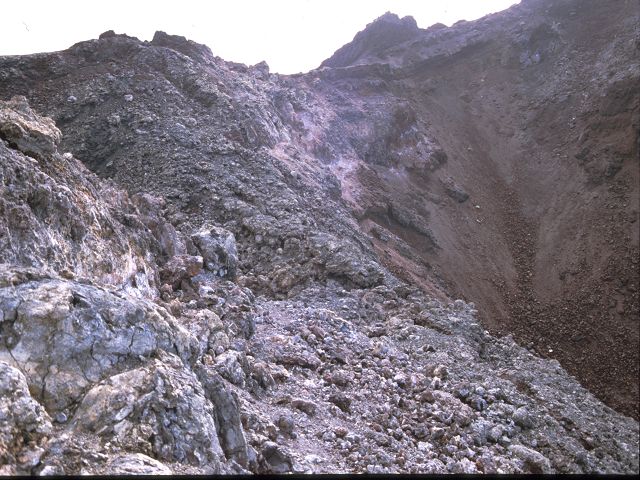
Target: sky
[290, 35]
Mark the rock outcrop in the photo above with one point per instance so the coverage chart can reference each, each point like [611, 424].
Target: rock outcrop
[210, 268]
[24, 423]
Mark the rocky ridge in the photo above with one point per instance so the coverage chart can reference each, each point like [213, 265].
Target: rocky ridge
[234, 311]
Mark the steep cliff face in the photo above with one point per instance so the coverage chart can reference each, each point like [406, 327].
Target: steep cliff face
[280, 269]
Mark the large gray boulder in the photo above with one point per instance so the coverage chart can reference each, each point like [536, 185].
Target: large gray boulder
[66, 336]
[218, 249]
[161, 404]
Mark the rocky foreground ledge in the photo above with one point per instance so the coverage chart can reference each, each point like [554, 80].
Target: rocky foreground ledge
[127, 346]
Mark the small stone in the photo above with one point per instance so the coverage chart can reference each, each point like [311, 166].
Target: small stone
[328, 436]
[271, 431]
[113, 119]
[426, 397]
[437, 432]
[401, 379]
[459, 304]
[464, 466]
[30, 458]
[522, 418]
[589, 443]
[313, 458]
[342, 401]
[218, 249]
[353, 437]
[340, 432]
[128, 97]
[51, 470]
[495, 433]
[306, 406]
[463, 392]
[72, 99]
[441, 372]
[534, 461]
[286, 424]
[339, 378]
[582, 458]
[61, 417]
[278, 461]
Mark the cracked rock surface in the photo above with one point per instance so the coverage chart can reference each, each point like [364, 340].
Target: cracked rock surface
[24, 423]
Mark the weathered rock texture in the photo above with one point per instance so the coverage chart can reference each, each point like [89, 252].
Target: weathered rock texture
[209, 268]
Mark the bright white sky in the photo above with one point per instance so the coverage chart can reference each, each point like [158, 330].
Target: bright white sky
[290, 35]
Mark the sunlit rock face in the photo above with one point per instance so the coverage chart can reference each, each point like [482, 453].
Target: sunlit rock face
[420, 257]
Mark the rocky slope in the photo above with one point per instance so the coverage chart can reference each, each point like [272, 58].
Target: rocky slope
[206, 267]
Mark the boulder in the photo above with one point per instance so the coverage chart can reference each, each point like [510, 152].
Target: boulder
[66, 336]
[218, 249]
[162, 404]
[27, 131]
[136, 464]
[534, 462]
[275, 458]
[180, 268]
